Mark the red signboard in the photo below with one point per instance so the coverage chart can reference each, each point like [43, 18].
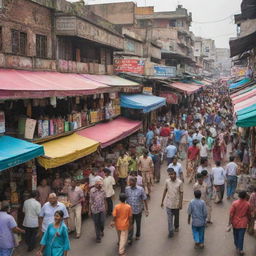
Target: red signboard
[171, 98]
[129, 65]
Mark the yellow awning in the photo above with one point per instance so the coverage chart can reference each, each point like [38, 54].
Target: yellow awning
[66, 150]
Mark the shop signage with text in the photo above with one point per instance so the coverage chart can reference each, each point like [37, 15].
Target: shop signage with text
[136, 66]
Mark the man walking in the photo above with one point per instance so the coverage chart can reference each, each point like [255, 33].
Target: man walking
[231, 172]
[174, 191]
[136, 198]
[177, 167]
[76, 197]
[239, 219]
[170, 151]
[197, 210]
[31, 210]
[122, 170]
[98, 209]
[122, 220]
[219, 178]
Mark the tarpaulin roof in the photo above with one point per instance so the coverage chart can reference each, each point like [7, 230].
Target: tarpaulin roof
[242, 44]
[187, 88]
[244, 104]
[66, 150]
[15, 151]
[240, 83]
[111, 80]
[112, 131]
[244, 96]
[245, 90]
[247, 116]
[146, 103]
[31, 84]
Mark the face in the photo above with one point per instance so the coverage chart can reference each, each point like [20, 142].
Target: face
[44, 182]
[52, 200]
[57, 217]
[200, 180]
[172, 176]
[98, 185]
[73, 184]
[174, 161]
[132, 183]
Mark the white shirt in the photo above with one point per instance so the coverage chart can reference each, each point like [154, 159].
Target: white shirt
[203, 150]
[177, 168]
[231, 169]
[93, 179]
[197, 136]
[201, 168]
[108, 184]
[213, 132]
[218, 174]
[31, 209]
[48, 211]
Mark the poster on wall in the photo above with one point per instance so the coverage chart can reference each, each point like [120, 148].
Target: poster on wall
[237, 71]
[136, 66]
[165, 71]
[2, 122]
[30, 127]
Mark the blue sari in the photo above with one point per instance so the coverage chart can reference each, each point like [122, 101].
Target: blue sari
[55, 240]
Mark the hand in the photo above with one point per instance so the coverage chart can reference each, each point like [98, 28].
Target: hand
[188, 222]
[40, 233]
[39, 253]
[112, 224]
[180, 207]
[146, 213]
[162, 205]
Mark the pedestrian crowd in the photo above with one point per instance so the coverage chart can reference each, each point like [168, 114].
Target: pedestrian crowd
[216, 159]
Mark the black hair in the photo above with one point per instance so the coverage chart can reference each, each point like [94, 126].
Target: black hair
[204, 173]
[231, 158]
[199, 176]
[203, 160]
[169, 170]
[34, 194]
[217, 163]
[60, 212]
[106, 170]
[197, 194]
[242, 194]
[122, 197]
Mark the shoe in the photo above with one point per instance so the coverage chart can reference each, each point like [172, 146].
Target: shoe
[129, 242]
[228, 197]
[77, 236]
[209, 222]
[102, 233]
[201, 246]
[176, 230]
[197, 246]
[241, 253]
[98, 240]
[171, 235]
[137, 238]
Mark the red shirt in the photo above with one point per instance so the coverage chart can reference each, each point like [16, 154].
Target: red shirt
[240, 213]
[165, 132]
[193, 152]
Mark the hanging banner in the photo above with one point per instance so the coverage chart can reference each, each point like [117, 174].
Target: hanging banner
[136, 66]
[30, 127]
[147, 90]
[171, 98]
[165, 71]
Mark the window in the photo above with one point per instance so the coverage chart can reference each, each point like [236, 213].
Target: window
[207, 49]
[19, 42]
[1, 39]
[172, 23]
[41, 46]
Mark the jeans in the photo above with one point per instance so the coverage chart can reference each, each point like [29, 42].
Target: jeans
[30, 237]
[123, 183]
[99, 220]
[173, 214]
[198, 234]
[6, 252]
[231, 185]
[239, 237]
[135, 218]
[110, 206]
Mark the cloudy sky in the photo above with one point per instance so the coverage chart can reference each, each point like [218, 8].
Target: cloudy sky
[211, 18]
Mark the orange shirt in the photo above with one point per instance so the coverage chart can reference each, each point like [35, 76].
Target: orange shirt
[122, 212]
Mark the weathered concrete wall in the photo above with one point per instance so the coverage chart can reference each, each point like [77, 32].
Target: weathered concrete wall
[144, 10]
[248, 27]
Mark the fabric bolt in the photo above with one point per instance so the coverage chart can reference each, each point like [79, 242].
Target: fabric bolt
[31, 210]
[7, 223]
[135, 197]
[99, 222]
[174, 190]
[97, 200]
[75, 214]
[173, 218]
[55, 240]
[48, 211]
[198, 234]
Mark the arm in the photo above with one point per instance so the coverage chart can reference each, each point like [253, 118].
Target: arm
[189, 213]
[163, 197]
[18, 230]
[181, 200]
[189, 219]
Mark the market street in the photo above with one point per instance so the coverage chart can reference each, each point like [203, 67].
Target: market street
[154, 240]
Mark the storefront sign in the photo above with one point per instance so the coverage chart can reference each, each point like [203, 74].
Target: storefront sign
[164, 71]
[30, 127]
[2, 122]
[147, 90]
[238, 71]
[136, 66]
[171, 98]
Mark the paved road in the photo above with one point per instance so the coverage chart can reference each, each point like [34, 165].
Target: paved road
[154, 240]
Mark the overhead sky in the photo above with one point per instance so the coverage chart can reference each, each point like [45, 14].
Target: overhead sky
[205, 13]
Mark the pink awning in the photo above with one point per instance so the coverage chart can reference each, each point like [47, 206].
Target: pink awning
[243, 97]
[30, 84]
[112, 131]
[246, 103]
[187, 88]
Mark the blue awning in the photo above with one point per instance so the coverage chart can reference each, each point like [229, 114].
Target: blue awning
[146, 103]
[240, 83]
[15, 151]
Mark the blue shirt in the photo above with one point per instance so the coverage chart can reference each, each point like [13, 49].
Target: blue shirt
[171, 151]
[177, 135]
[190, 141]
[149, 137]
[135, 198]
[197, 209]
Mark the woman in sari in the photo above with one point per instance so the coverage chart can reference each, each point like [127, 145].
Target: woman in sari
[55, 241]
[216, 151]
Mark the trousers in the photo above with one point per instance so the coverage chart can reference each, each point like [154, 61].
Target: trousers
[239, 237]
[231, 185]
[110, 205]
[123, 183]
[173, 214]
[198, 234]
[99, 221]
[75, 214]
[135, 218]
[122, 240]
[6, 252]
[30, 237]
[220, 189]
